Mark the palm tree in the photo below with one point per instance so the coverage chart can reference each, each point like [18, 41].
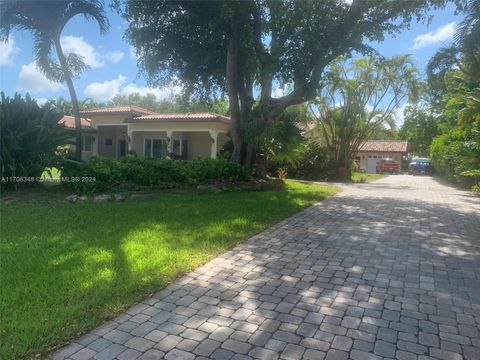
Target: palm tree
[360, 100]
[46, 20]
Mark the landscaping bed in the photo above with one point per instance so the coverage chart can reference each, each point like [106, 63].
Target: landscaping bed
[66, 267]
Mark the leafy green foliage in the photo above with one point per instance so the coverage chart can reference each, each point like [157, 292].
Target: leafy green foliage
[248, 47]
[457, 153]
[150, 102]
[177, 104]
[454, 77]
[151, 172]
[29, 138]
[313, 162]
[278, 142]
[420, 127]
[358, 100]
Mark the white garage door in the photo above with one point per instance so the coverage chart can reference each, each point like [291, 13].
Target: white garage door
[372, 165]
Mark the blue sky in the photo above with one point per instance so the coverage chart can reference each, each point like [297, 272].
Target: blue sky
[113, 66]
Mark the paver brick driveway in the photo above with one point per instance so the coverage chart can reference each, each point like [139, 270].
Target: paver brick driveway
[389, 269]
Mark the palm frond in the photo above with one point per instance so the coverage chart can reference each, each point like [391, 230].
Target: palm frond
[90, 9]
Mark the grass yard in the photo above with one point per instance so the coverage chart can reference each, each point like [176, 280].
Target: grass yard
[65, 268]
[365, 177]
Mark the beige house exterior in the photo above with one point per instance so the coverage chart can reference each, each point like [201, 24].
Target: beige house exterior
[115, 131]
[372, 151]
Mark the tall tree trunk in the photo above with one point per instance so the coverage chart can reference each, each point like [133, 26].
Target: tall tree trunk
[233, 89]
[73, 97]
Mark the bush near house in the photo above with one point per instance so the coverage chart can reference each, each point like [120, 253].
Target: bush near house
[29, 138]
[101, 173]
[313, 163]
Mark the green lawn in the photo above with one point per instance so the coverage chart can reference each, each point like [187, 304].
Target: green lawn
[65, 268]
[365, 177]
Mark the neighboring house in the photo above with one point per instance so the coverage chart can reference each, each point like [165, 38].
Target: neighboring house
[115, 131]
[371, 151]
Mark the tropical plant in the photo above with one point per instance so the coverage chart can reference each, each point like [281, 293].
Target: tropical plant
[29, 138]
[454, 74]
[456, 154]
[46, 20]
[419, 128]
[313, 162]
[65, 107]
[245, 48]
[358, 99]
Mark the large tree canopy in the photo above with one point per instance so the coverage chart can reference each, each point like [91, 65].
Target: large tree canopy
[245, 48]
[420, 127]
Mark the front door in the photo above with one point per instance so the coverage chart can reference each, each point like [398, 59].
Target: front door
[122, 148]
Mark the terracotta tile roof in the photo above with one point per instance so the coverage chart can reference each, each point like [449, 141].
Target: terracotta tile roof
[195, 117]
[134, 110]
[69, 122]
[143, 115]
[384, 146]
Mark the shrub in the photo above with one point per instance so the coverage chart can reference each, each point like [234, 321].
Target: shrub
[313, 163]
[29, 138]
[145, 171]
[455, 154]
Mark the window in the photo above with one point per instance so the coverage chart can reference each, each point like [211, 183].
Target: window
[180, 148]
[156, 148]
[108, 142]
[176, 147]
[88, 143]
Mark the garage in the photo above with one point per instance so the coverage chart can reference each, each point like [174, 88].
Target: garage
[372, 151]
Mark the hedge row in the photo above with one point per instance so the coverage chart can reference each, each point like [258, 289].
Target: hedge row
[101, 173]
[456, 154]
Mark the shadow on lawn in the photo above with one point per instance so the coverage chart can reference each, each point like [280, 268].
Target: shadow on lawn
[110, 255]
[371, 250]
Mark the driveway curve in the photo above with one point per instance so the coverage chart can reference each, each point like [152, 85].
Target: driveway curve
[383, 270]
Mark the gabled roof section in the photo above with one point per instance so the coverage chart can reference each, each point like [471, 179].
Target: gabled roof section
[400, 146]
[133, 110]
[69, 122]
[181, 117]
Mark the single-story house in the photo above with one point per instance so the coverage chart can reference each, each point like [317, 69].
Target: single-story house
[372, 151]
[115, 131]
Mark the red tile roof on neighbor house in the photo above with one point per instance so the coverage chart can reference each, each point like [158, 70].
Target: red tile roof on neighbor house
[134, 110]
[398, 146]
[166, 117]
[69, 122]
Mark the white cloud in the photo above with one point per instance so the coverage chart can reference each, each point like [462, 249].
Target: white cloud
[133, 53]
[115, 56]
[32, 80]
[399, 115]
[441, 34]
[106, 90]
[8, 51]
[41, 101]
[74, 44]
[91, 57]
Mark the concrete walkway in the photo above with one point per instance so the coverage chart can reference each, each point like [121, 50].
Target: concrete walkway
[389, 269]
